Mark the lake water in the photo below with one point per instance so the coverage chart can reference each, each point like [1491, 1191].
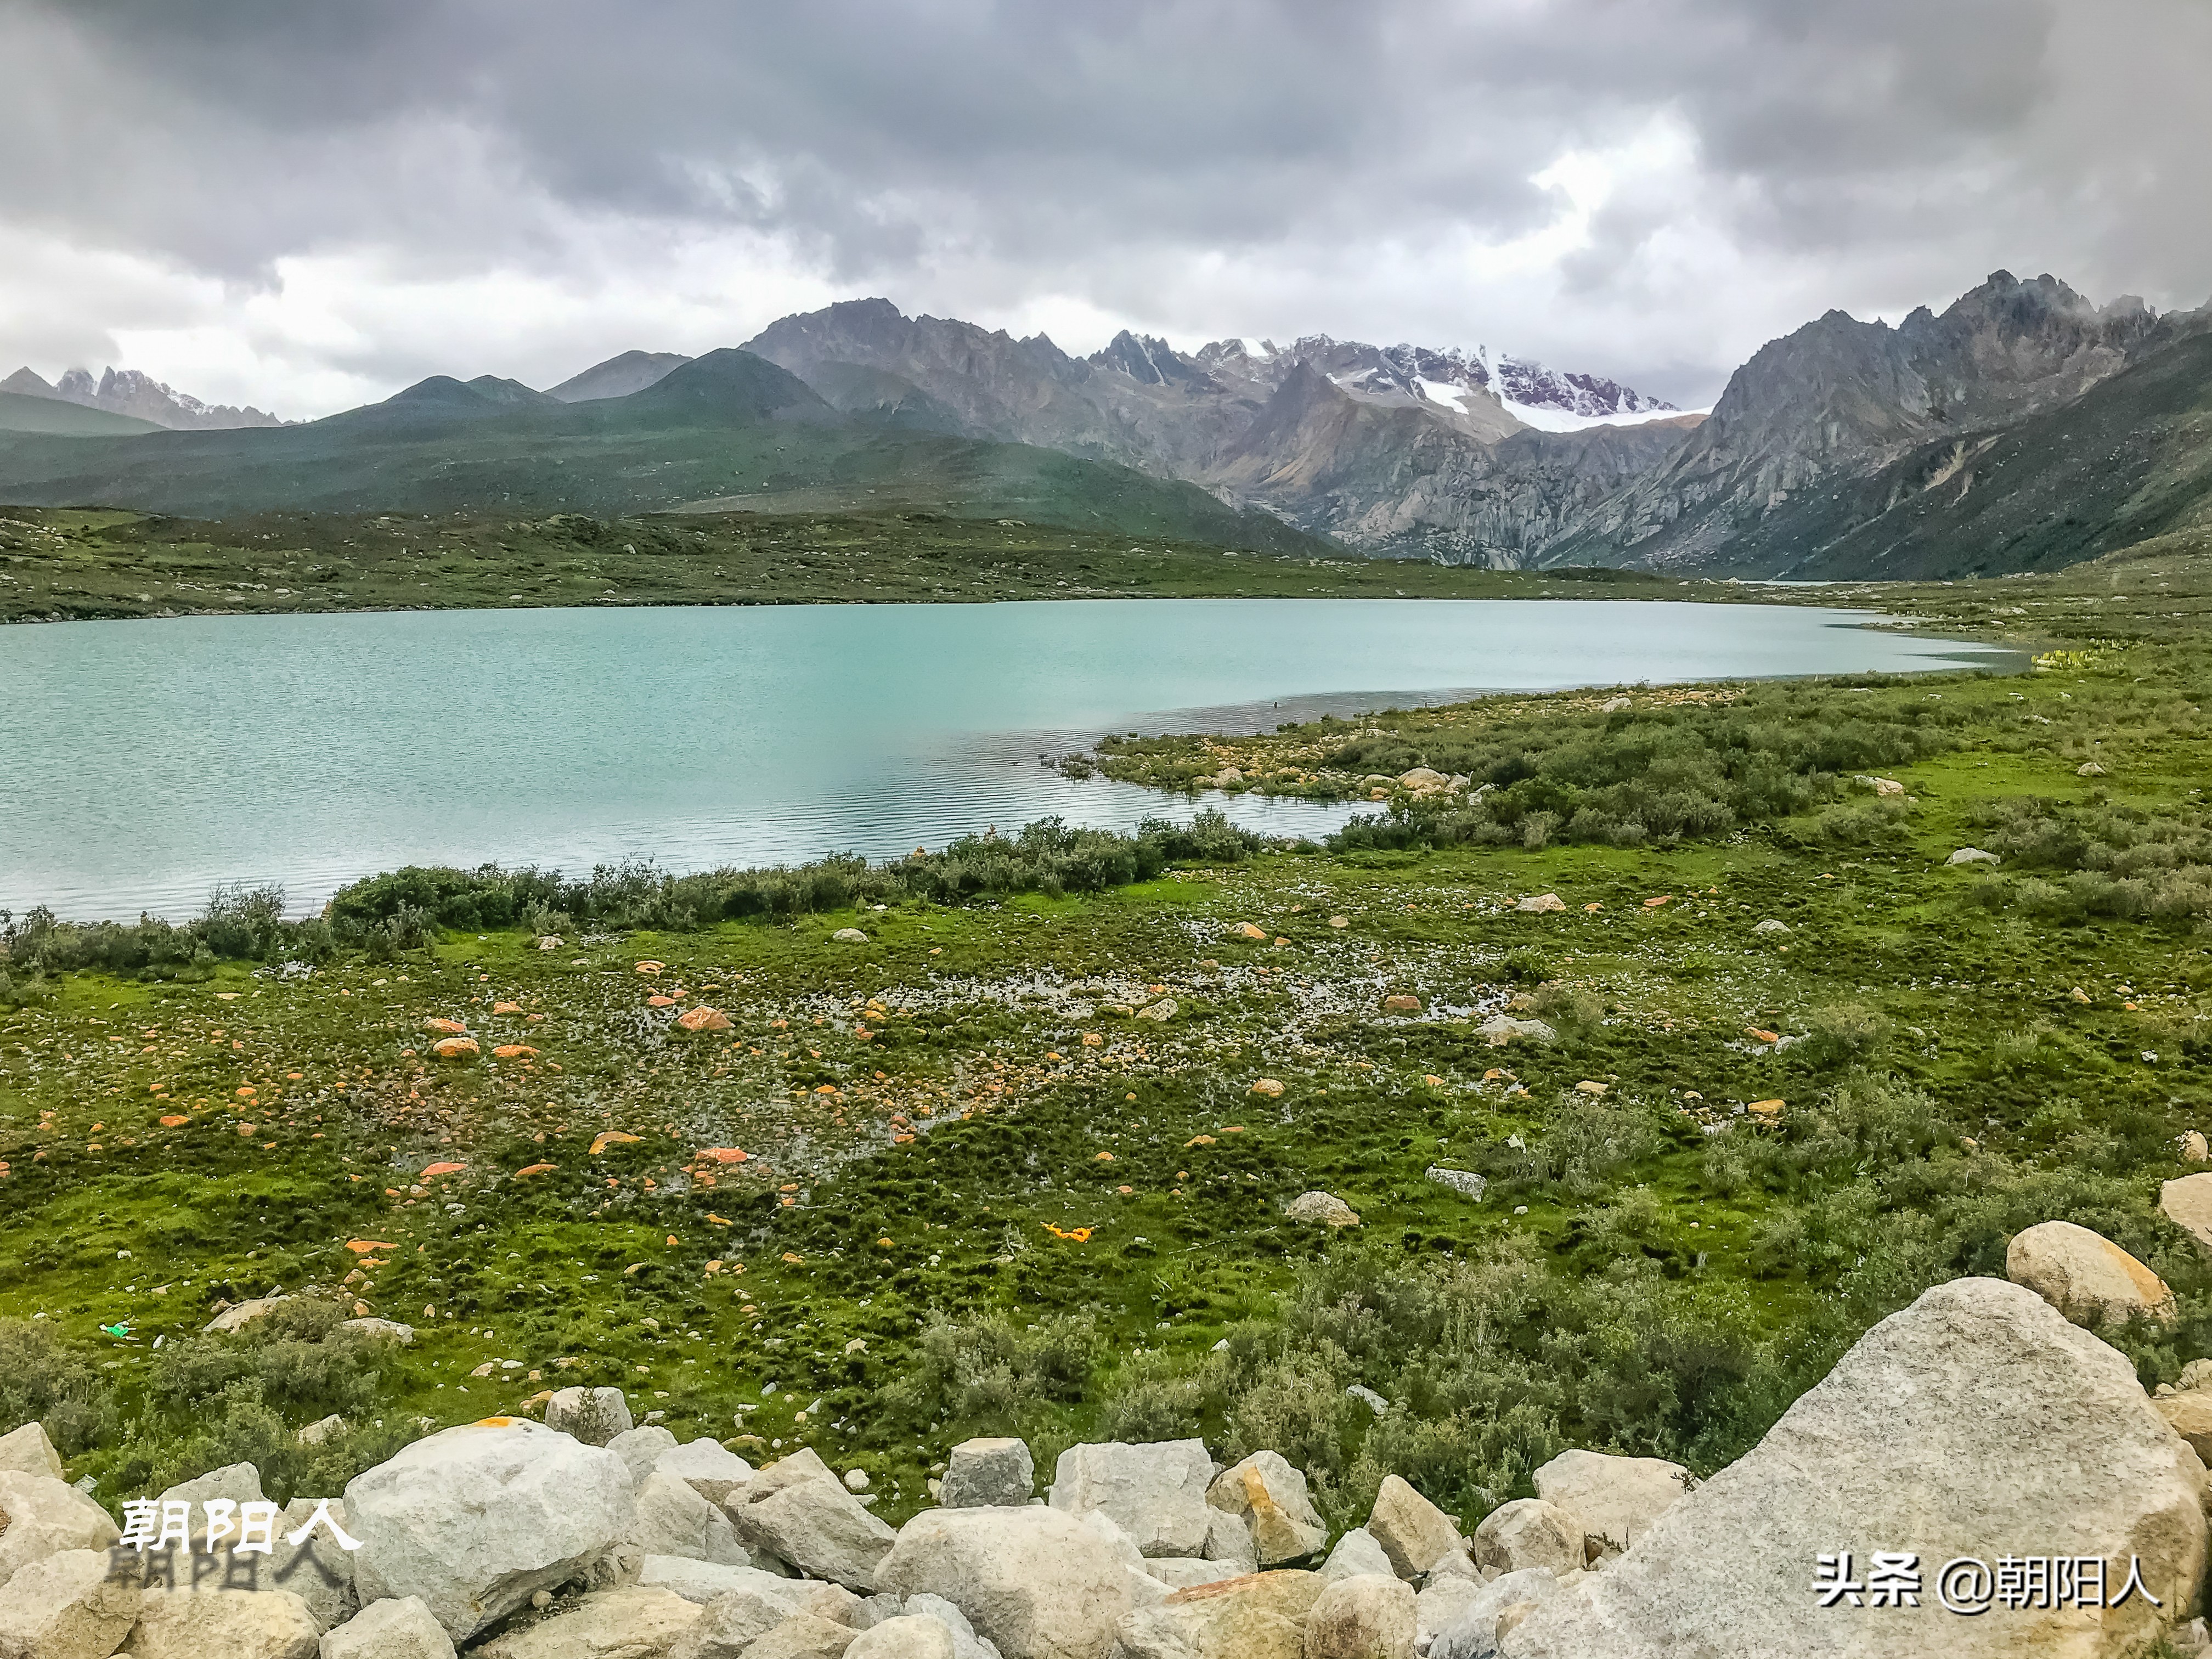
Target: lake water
[141, 763]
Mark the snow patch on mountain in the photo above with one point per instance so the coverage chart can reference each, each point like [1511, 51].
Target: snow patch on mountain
[1560, 420]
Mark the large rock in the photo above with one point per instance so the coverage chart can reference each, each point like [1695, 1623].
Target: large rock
[1356, 1553]
[803, 1464]
[594, 1416]
[705, 1582]
[1155, 1492]
[1413, 1532]
[224, 1625]
[1615, 1498]
[27, 1451]
[1259, 1616]
[819, 1528]
[318, 1569]
[707, 1467]
[1473, 1633]
[732, 1623]
[476, 1519]
[966, 1643]
[1325, 1209]
[67, 1606]
[1229, 1540]
[2187, 1203]
[988, 1471]
[674, 1519]
[238, 1317]
[1976, 1423]
[1367, 1617]
[907, 1636]
[1186, 1572]
[1529, 1533]
[401, 1629]
[380, 1330]
[1271, 1497]
[802, 1635]
[41, 1516]
[641, 1448]
[636, 1623]
[239, 1484]
[1033, 1580]
[1440, 1605]
[2085, 1275]
[2190, 1415]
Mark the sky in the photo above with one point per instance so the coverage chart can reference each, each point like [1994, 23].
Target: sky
[304, 204]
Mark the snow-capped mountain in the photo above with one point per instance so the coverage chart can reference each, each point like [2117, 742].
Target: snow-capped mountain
[131, 391]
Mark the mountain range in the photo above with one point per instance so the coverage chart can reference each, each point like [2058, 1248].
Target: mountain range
[128, 391]
[2023, 426]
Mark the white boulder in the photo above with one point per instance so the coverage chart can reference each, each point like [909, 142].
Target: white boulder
[224, 1625]
[705, 1582]
[641, 1448]
[27, 1451]
[2085, 1275]
[707, 1467]
[910, 1636]
[68, 1606]
[1370, 1616]
[817, 1526]
[1270, 1496]
[1356, 1553]
[634, 1623]
[988, 1471]
[594, 1416]
[1032, 1579]
[1529, 1533]
[1473, 1633]
[393, 1629]
[46, 1516]
[674, 1519]
[1615, 1498]
[1412, 1531]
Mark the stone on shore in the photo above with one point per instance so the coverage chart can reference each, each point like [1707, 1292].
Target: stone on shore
[1271, 1497]
[988, 1471]
[1413, 1532]
[1033, 1580]
[1154, 1490]
[2085, 1275]
[1368, 1617]
[1969, 1424]
[67, 1606]
[634, 1623]
[817, 1526]
[27, 1451]
[395, 1629]
[1615, 1498]
[476, 1519]
[224, 1624]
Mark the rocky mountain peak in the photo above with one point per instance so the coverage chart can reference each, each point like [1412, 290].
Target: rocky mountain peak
[131, 392]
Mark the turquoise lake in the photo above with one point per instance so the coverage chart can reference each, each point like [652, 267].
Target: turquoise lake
[142, 763]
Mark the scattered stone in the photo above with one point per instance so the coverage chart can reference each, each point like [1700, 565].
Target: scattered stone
[805, 1464]
[2085, 1275]
[707, 1582]
[2187, 1203]
[1164, 1009]
[594, 1416]
[1325, 1208]
[1270, 1496]
[641, 1448]
[1250, 930]
[1412, 1531]
[988, 1471]
[966, 1643]
[707, 1467]
[1402, 1005]
[1465, 1182]
[2089, 769]
[802, 1635]
[1772, 926]
[1440, 1606]
[1268, 1088]
[27, 1451]
[672, 1519]
[817, 1526]
[1972, 855]
[314, 1434]
[1356, 1553]
[224, 1624]
[1501, 1029]
[45, 1517]
[239, 1317]
[382, 1330]
[849, 936]
[456, 1047]
[1367, 1397]
[1540, 905]
[67, 1606]
[1339, 921]
[1529, 1533]
[910, 1636]
[2193, 1147]
[474, 1519]
[632, 1623]
[1186, 1573]
[702, 1018]
[1615, 1498]
[1368, 1617]
[1424, 779]
[402, 1628]
[2189, 1414]
[1155, 1492]
[1975, 1412]
[1033, 1580]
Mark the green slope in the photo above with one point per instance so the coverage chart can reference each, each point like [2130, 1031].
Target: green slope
[730, 431]
[22, 413]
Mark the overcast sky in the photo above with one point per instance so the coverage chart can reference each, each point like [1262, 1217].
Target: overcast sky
[307, 204]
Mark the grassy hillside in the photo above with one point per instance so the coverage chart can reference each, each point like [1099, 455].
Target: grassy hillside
[65, 563]
[54, 417]
[981, 1194]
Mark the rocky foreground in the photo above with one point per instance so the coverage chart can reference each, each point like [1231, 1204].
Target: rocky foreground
[1979, 1475]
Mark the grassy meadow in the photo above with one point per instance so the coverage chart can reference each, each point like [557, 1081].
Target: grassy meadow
[993, 1181]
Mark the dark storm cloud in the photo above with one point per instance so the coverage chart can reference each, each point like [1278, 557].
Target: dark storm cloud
[1325, 159]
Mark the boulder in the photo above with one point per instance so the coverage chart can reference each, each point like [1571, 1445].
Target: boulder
[707, 1582]
[397, 1629]
[323, 1429]
[1324, 1209]
[1033, 1580]
[1970, 1424]
[1972, 855]
[382, 1330]
[1540, 905]
[1424, 779]
[1473, 1634]
[1441, 1605]
[2189, 1414]
[641, 1447]
[2193, 1148]
[1773, 926]
[1186, 1573]
[674, 1519]
[802, 1635]
[1356, 1553]
[819, 1528]
[477, 1519]
[702, 1018]
[46, 1516]
[988, 1471]
[636, 1623]
[594, 1416]
[1270, 1496]
[318, 1569]
[239, 1483]
[1369, 1616]
[1412, 1531]
[1501, 1029]
[707, 1467]
[27, 1451]
[805, 1464]
[1258, 1616]
[2085, 1275]
[849, 936]
[1615, 1498]
[2187, 1203]
[245, 1313]
[1155, 1491]
[907, 1636]
[966, 1644]
[227, 1624]
[1529, 1533]
[1228, 1541]
[67, 1606]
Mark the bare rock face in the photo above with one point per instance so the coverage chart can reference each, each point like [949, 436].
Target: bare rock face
[401, 1629]
[1271, 1496]
[2085, 1275]
[1033, 1580]
[44, 1517]
[1529, 1533]
[67, 1606]
[636, 1623]
[225, 1625]
[476, 1519]
[988, 1471]
[1368, 1617]
[1413, 1532]
[1977, 1423]
[1615, 1498]
[1154, 1491]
